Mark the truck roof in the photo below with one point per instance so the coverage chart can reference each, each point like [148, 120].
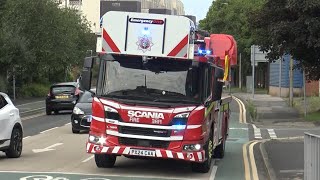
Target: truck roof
[144, 34]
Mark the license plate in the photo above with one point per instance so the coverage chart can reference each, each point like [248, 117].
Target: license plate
[139, 152]
[89, 119]
[62, 97]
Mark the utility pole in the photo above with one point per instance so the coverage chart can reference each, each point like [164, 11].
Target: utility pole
[240, 73]
[253, 67]
[280, 76]
[14, 82]
[291, 82]
[304, 93]
[66, 3]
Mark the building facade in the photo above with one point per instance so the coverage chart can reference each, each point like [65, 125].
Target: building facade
[90, 9]
[93, 10]
[312, 87]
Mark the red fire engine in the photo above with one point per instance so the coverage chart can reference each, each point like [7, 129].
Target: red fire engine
[156, 96]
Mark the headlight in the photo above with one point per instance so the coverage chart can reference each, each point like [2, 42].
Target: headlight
[110, 109]
[77, 110]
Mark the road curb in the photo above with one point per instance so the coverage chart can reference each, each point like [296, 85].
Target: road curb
[31, 112]
[270, 171]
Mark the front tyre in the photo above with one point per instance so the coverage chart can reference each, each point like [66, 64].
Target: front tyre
[205, 166]
[15, 147]
[105, 160]
[48, 111]
[75, 131]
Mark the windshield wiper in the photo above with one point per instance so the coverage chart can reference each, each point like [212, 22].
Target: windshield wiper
[184, 101]
[163, 92]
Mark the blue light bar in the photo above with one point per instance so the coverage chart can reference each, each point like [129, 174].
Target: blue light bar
[146, 31]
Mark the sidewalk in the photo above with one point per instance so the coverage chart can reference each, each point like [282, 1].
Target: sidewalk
[270, 109]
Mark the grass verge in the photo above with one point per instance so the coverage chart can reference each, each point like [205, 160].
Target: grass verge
[252, 110]
[314, 116]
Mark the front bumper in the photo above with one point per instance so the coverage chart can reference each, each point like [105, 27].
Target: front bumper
[160, 153]
[61, 105]
[80, 122]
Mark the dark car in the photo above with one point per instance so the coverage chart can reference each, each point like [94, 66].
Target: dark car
[81, 115]
[62, 96]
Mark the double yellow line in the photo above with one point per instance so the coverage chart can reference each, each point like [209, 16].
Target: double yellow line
[243, 111]
[250, 167]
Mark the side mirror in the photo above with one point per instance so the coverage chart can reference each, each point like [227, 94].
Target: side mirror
[217, 84]
[88, 62]
[85, 79]
[86, 74]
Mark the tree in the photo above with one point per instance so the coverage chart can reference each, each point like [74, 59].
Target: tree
[290, 26]
[41, 40]
[231, 17]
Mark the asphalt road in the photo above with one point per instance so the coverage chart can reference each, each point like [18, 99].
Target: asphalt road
[51, 149]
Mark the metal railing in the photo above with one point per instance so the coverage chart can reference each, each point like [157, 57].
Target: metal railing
[311, 156]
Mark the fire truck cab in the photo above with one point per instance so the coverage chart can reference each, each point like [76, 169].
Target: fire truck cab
[155, 97]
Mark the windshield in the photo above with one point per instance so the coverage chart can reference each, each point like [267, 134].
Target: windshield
[86, 98]
[154, 80]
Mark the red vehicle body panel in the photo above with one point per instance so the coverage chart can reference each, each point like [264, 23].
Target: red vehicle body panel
[222, 45]
[195, 132]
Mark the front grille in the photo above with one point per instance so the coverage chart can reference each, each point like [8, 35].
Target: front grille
[143, 143]
[112, 115]
[84, 122]
[144, 131]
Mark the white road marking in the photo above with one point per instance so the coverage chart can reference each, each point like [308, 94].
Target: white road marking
[272, 133]
[26, 137]
[239, 129]
[97, 174]
[49, 148]
[29, 103]
[48, 130]
[33, 116]
[37, 109]
[67, 124]
[257, 132]
[292, 171]
[88, 159]
[213, 172]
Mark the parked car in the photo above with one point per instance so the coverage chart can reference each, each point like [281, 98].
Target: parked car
[81, 114]
[11, 129]
[62, 96]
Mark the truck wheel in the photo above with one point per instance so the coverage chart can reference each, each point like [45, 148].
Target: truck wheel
[219, 150]
[75, 131]
[205, 166]
[15, 147]
[48, 111]
[105, 160]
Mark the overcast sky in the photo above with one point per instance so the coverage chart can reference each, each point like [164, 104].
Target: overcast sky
[198, 8]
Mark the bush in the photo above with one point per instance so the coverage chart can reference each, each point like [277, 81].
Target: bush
[3, 84]
[34, 90]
